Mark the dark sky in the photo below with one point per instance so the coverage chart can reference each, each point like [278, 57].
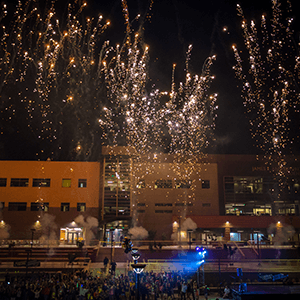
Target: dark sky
[175, 24]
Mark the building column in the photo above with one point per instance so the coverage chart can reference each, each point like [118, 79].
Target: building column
[227, 232]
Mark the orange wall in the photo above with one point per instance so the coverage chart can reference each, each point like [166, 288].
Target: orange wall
[56, 171]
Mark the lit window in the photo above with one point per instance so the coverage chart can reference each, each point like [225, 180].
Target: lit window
[39, 206]
[66, 182]
[81, 207]
[41, 182]
[65, 207]
[141, 184]
[82, 183]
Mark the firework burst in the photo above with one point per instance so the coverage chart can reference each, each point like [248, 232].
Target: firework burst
[270, 84]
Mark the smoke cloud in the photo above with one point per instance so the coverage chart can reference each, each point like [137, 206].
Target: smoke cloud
[4, 234]
[138, 233]
[281, 234]
[88, 224]
[4, 228]
[49, 229]
[188, 224]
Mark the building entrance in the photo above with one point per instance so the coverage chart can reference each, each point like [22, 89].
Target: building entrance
[71, 235]
[115, 232]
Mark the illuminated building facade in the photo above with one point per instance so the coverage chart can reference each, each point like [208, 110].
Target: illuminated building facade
[227, 196]
[31, 189]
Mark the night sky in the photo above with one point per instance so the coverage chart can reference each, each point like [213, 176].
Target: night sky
[175, 24]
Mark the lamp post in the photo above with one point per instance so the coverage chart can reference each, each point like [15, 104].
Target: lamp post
[32, 234]
[28, 251]
[190, 238]
[111, 243]
[138, 269]
[135, 255]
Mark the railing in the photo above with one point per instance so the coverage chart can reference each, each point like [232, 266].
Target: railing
[236, 244]
[145, 243]
[227, 266]
[252, 247]
[80, 262]
[222, 265]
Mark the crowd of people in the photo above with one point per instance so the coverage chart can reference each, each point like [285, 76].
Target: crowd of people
[83, 286]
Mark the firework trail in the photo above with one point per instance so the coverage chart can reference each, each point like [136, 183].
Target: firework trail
[270, 84]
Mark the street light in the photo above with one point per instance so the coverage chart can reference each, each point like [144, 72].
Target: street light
[135, 257]
[32, 234]
[190, 237]
[111, 243]
[138, 269]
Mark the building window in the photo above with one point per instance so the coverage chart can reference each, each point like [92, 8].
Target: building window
[66, 182]
[1, 205]
[82, 183]
[44, 206]
[81, 207]
[41, 182]
[245, 185]
[39, 206]
[205, 184]
[163, 211]
[163, 204]
[163, 184]
[141, 184]
[3, 182]
[184, 204]
[205, 204]
[23, 182]
[182, 184]
[140, 211]
[17, 206]
[141, 204]
[65, 206]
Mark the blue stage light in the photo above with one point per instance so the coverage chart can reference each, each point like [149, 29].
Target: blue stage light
[201, 251]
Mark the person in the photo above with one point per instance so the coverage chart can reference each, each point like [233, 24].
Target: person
[206, 290]
[113, 267]
[82, 291]
[105, 262]
[195, 290]
[183, 290]
[189, 290]
[226, 292]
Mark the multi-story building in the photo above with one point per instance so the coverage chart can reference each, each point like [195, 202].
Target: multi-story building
[224, 196]
[30, 191]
